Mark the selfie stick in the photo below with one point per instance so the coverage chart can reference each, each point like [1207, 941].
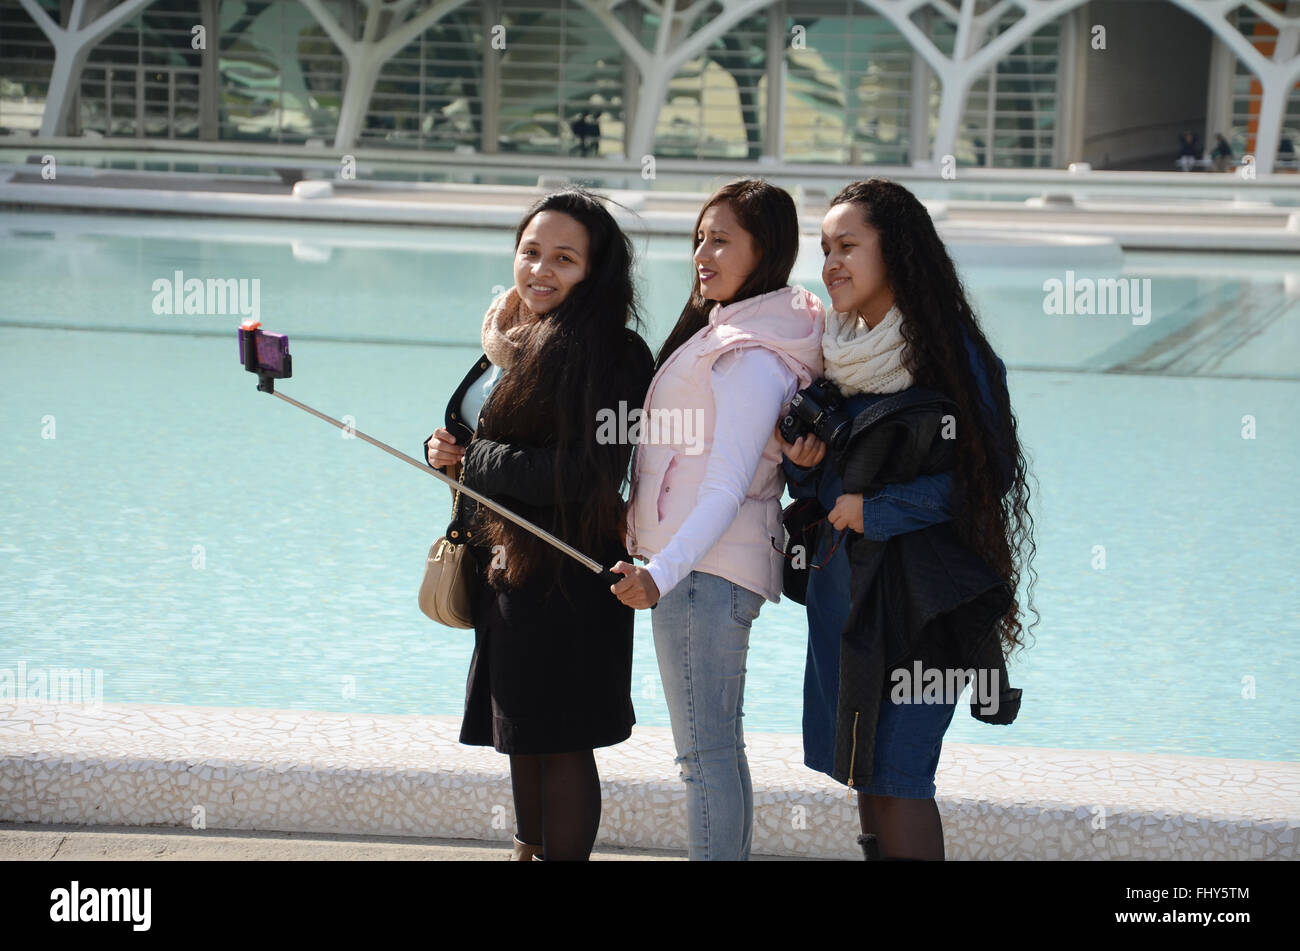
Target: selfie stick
[266, 384]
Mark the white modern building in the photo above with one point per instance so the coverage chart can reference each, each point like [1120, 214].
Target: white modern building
[994, 83]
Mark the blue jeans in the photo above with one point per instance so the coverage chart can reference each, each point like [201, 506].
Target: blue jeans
[701, 632]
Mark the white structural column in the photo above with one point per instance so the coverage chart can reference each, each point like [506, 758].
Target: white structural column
[1071, 81]
[633, 17]
[72, 44]
[386, 30]
[918, 138]
[674, 46]
[490, 87]
[1218, 107]
[774, 131]
[1278, 74]
[210, 73]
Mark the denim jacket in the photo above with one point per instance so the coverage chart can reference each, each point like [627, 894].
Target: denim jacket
[895, 509]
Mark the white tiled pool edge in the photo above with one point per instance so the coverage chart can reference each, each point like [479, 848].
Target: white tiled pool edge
[298, 771]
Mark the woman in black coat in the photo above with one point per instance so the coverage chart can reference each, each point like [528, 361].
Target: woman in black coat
[551, 675]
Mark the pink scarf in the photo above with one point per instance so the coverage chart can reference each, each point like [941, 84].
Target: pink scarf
[505, 325]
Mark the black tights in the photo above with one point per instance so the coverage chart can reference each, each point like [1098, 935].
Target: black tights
[557, 803]
[904, 828]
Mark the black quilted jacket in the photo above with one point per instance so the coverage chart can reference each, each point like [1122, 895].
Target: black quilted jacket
[921, 595]
[521, 476]
[464, 521]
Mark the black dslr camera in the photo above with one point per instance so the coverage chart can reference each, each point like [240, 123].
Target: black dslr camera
[817, 409]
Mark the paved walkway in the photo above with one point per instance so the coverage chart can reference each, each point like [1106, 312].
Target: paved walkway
[30, 842]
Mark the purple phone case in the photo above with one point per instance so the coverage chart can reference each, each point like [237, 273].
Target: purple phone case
[271, 350]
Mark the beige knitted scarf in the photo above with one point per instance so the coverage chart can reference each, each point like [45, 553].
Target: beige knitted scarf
[505, 325]
[862, 359]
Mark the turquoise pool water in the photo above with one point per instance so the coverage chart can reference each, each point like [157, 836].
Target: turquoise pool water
[202, 543]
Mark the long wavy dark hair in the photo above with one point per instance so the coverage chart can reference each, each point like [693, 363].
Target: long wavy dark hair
[936, 316]
[768, 214]
[571, 365]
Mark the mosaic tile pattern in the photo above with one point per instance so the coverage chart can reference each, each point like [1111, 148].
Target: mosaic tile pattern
[289, 770]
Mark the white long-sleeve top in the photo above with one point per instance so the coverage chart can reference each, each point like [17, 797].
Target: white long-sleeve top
[750, 388]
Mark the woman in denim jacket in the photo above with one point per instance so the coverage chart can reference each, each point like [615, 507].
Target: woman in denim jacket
[899, 317]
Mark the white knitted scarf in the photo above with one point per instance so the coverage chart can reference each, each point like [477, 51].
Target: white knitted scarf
[862, 359]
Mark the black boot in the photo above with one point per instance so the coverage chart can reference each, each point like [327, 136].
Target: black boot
[870, 847]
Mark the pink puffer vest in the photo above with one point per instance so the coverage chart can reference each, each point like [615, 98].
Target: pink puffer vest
[789, 322]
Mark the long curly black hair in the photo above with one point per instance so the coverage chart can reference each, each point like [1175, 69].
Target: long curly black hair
[584, 357]
[991, 480]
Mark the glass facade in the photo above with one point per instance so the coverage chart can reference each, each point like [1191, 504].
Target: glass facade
[281, 76]
[716, 107]
[142, 80]
[561, 81]
[429, 95]
[848, 87]
[1010, 116]
[555, 82]
[26, 61]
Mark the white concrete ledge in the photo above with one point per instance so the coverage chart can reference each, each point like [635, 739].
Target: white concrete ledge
[297, 771]
[292, 155]
[1002, 231]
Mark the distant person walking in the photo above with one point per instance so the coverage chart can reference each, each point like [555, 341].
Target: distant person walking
[1188, 152]
[587, 131]
[1286, 153]
[1222, 154]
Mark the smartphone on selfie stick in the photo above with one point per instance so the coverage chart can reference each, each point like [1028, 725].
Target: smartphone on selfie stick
[267, 355]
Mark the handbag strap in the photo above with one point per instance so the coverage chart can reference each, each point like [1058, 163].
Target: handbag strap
[458, 474]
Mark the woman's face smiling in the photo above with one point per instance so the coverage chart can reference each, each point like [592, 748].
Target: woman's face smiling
[551, 260]
[724, 253]
[854, 271]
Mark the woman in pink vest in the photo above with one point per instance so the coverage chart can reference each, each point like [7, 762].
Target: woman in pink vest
[705, 501]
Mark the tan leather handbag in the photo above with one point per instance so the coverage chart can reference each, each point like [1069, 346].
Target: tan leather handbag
[446, 593]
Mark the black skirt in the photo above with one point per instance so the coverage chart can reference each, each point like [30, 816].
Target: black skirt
[550, 673]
